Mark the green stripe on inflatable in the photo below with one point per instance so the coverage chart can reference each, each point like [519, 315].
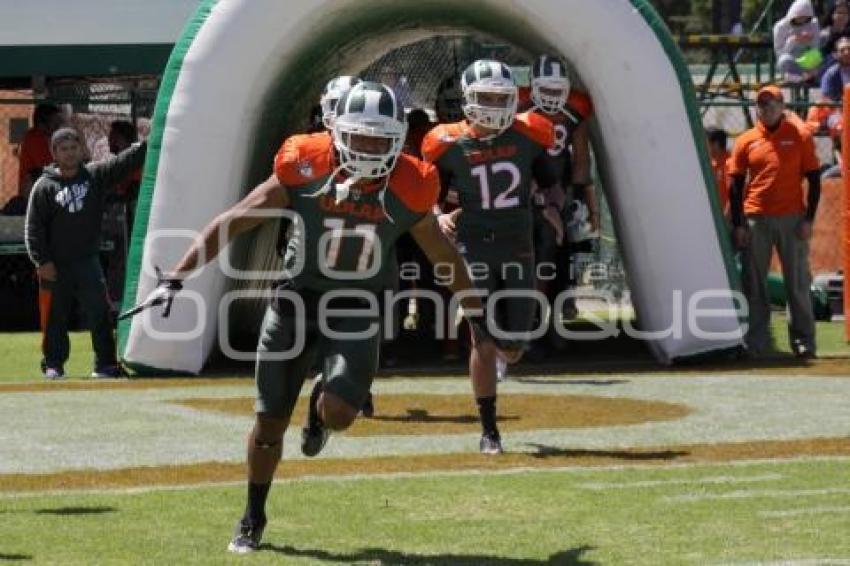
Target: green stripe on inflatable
[143, 208]
[689, 98]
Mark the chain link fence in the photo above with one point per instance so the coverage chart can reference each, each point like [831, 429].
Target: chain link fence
[422, 73]
[91, 107]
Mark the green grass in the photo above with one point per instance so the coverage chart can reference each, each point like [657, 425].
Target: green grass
[20, 356]
[20, 352]
[528, 518]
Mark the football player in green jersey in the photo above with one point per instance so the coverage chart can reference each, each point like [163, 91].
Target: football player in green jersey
[352, 193]
[490, 159]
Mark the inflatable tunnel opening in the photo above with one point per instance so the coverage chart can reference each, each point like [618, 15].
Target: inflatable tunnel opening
[276, 61]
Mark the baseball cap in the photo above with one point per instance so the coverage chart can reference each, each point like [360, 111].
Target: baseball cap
[769, 91]
[64, 134]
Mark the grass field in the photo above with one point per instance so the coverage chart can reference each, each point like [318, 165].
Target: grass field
[792, 511]
[724, 465]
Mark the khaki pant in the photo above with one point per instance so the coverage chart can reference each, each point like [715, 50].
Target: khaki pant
[781, 232]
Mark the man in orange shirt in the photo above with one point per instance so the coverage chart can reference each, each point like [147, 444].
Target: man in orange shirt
[35, 147]
[776, 155]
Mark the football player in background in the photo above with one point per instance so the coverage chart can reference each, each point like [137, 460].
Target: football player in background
[490, 158]
[569, 110]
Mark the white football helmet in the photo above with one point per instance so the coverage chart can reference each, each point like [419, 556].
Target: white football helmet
[368, 109]
[334, 90]
[484, 77]
[550, 73]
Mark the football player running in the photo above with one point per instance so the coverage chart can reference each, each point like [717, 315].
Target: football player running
[569, 110]
[352, 194]
[490, 158]
[333, 91]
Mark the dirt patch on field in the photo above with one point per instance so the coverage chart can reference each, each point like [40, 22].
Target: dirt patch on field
[779, 367]
[542, 457]
[455, 414]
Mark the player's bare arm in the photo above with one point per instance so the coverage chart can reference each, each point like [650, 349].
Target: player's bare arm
[240, 218]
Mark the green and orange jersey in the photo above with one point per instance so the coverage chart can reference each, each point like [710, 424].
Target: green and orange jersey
[776, 162]
[348, 244]
[577, 110]
[492, 175]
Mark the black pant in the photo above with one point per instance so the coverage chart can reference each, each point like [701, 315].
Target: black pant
[81, 279]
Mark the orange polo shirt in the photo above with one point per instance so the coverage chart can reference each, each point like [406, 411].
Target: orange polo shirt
[776, 163]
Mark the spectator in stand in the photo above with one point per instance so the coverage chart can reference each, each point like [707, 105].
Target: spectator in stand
[796, 41]
[835, 25]
[35, 148]
[717, 150]
[776, 155]
[838, 75]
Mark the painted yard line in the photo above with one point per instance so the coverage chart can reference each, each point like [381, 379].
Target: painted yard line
[800, 512]
[756, 493]
[423, 474]
[716, 480]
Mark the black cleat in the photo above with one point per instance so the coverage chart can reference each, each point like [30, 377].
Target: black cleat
[314, 435]
[491, 443]
[368, 408]
[247, 537]
[803, 352]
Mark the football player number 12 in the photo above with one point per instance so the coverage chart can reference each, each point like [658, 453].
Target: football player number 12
[364, 231]
[505, 199]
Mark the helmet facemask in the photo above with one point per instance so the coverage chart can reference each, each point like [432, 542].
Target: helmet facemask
[481, 113]
[550, 102]
[359, 163]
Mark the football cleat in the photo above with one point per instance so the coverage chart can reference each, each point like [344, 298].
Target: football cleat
[491, 443]
[314, 434]
[368, 408]
[247, 537]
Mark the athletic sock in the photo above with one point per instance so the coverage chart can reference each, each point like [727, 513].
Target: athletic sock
[255, 511]
[487, 412]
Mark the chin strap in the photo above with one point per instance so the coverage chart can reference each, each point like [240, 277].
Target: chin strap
[342, 190]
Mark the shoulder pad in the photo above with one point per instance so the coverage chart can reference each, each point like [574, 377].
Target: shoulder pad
[303, 158]
[441, 137]
[537, 127]
[415, 183]
[580, 104]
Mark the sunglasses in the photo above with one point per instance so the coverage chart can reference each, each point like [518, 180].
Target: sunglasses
[800, 21]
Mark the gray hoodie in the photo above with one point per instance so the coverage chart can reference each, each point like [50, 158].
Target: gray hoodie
[65, 214]
[784, 34]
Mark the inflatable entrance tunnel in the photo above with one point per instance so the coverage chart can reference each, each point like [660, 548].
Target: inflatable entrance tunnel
[244, 68]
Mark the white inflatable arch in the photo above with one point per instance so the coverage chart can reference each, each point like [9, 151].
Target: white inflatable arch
[244, 68]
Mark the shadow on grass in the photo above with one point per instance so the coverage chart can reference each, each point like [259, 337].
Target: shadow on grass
[543, 451]
[422, 416]
[571, 557]
[15, 557]
[66, 511]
